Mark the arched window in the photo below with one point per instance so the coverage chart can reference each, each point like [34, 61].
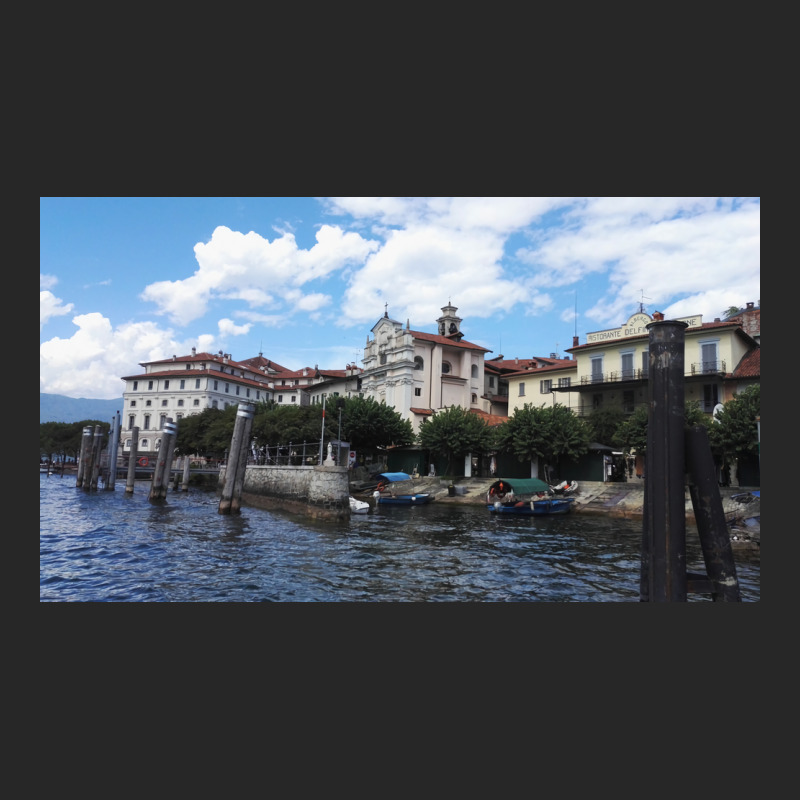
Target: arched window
[474, 370]
[144, 444]
[445, 367]
[418, 362]
[474, 398]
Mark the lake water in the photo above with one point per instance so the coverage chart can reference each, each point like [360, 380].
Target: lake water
[110, 546]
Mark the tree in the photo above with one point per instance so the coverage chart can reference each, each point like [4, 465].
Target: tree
[62, 440]
[735, 433]
[547, 433]
[207, 434]
[454, 433]
[603, 424]
[632, 433]
[368, 425]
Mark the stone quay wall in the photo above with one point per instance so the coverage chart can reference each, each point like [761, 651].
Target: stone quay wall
[318, 491]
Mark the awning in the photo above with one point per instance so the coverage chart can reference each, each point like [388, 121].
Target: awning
[520, 485]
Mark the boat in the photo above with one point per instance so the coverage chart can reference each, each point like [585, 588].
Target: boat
[565, 487]
[525, 497]
[416, 499]
[533, 508]
[358, 506]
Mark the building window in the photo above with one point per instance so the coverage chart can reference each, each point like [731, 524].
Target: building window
[280, 398]
[179, 417]
[197, 383]
[491, 381]
[710, 397]
[147, 422]
[195, 402]
[213, 404]
[445, 367]
[216, 385]
[148, 402]
[474, 370]
[627, 402]
[474, 398]
[158, 444]
[227, 388]
[418, 362]
[417, 391]
[597, 369]
[247, 391]
[166, 385]
[708, 356]
[237, 390]
[180, 402]
[128, 444]
[545, 387]
[183, 384]
[564, 383]
[135, 385]
[163, 403]
[162, 421]
[627, 365]
[144, 444]
[149, 384]
[131, 421]
[133, 404]
[646, 363]
[522, 390]
[294, 398]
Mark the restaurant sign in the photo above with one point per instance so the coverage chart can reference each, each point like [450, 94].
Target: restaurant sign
[635, 326]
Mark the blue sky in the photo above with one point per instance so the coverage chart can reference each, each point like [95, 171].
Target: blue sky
[124, 280]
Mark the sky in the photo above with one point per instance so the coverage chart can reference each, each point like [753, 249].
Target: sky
[303, 280]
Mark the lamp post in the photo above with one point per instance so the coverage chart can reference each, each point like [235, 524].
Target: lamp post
[322, 437]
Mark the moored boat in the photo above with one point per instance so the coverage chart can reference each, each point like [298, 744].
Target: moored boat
[358, 506]
[526, 497]
[416, 499]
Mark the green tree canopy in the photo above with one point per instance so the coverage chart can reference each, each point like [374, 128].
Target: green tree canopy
[548, 433]
[454, 433]
[368, 425]
[632, 432]
[735, 433]
[61, 440]
[603, 424]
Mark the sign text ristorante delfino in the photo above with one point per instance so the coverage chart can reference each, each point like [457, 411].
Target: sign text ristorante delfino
[635, 326]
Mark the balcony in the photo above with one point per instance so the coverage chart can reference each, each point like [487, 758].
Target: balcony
[618, 376]
[708, 368]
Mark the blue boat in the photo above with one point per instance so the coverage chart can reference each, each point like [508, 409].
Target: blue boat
[526, 497]
[416, 499]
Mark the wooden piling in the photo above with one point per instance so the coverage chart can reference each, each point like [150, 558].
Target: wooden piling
[663, 571]
[712, 526]
[230, 502]
[170, 455]
[186, 463]
[85, 457]
[97, 442]
[113, 449]
[133, 457]
[161, 460]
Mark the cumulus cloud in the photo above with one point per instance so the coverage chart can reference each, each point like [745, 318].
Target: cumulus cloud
[51, 306]
[247, 266]
[91, 362]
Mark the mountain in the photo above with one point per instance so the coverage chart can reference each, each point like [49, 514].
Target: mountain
[58, 408]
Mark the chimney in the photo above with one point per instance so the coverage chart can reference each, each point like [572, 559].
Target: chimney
[194, 351]
[749, 306]
[658, 316]
[575, 341]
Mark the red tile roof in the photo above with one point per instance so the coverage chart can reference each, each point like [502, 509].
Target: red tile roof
[750, 365]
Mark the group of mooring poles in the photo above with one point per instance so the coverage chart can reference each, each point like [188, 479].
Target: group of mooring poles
[674, 457]
[89, 461]
[231, 500]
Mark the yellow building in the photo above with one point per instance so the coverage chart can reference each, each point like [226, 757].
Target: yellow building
[611, 369]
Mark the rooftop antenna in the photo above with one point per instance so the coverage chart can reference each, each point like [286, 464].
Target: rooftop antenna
[576, 312]
[641, 304]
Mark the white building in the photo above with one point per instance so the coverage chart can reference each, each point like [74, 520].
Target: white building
[419, 373]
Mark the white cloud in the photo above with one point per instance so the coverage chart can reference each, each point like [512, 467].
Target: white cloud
[91, 362]
[251, 268]
[51, 306]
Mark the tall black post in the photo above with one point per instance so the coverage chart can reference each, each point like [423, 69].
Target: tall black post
[712, 527]
[663, 574]
[230, 501]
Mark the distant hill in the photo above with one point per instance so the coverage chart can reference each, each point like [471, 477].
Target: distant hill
[58, 408]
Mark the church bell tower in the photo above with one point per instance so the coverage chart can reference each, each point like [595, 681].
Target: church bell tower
[449, 323]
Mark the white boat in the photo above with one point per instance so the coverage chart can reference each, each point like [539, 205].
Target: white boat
[358, 506]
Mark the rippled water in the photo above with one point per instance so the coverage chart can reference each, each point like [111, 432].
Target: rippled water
[111, 546]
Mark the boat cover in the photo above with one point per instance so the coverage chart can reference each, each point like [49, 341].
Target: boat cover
[396, 476]
[521, 485]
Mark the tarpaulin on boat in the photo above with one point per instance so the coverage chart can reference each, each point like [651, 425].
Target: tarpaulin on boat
[519, 486]
[395, 476]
